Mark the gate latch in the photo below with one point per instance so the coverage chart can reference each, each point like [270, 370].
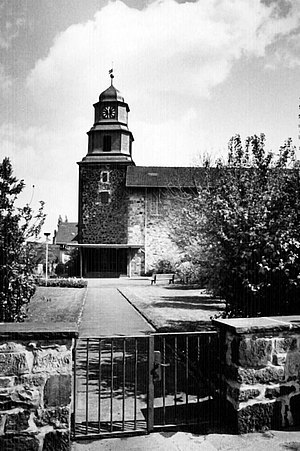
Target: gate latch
[156, 372]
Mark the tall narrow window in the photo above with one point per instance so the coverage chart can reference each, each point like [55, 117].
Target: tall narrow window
[104, 176]
[106, 143]
[154, 202]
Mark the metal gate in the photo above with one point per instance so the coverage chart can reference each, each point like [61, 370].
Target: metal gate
[134, 385]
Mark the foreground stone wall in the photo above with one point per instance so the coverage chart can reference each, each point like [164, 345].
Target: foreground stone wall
[261, 372]
[35, 386]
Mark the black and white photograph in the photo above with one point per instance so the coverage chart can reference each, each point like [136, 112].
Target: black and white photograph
[149, 225]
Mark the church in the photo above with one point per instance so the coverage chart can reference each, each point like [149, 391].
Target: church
[124, 222]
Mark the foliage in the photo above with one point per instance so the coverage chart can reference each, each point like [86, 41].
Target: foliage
[242, 230]
[164, 267]
[16, 226]
[60, 269]
[71, 282]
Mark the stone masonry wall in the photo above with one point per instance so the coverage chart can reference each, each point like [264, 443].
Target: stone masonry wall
[261, 371]
[149, 223]
[35, 392]
[103, 223]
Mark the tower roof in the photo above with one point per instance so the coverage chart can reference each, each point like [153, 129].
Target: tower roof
[111, 94]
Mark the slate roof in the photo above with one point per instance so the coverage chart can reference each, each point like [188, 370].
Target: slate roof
[164, 177]
[66, 233]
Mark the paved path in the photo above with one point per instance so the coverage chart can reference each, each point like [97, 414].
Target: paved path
[184, 441]
[107, 312]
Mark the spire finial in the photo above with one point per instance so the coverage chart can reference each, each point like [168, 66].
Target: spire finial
[111, 74]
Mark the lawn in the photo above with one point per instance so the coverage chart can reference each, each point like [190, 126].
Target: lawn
[56, 305]
[174, 308]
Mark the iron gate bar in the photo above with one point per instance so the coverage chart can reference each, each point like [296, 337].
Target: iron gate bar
[187, 379]
[99, 387]
[164, 380]
[135, 380]
[175, 378]
[198, 362]
[73, 422]
[87, 388]
[150, 394]
[111, 383]
[124, 376]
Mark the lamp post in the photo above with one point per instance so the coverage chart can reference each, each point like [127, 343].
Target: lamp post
[47, 234]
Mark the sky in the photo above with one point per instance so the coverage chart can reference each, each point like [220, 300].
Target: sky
[194, 73]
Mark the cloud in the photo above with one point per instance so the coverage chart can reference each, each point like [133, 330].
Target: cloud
[11, 20]
[168, 57]
[172, 47]
[5, 83]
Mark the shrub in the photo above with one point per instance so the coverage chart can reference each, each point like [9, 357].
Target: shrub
[164, 267]
[62, 283]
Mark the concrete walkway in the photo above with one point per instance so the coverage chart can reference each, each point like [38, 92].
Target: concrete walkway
[183, 441]
[107, 312]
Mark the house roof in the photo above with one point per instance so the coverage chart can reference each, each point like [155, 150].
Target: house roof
[164, 177]
[66, 233]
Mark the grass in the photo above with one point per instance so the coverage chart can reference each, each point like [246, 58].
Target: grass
[51, 304]
[174, 309]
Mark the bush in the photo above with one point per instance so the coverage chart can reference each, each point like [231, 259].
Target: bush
[62, 283]
[164, 267]
[60, 269]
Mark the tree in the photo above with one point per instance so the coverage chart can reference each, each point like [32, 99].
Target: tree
[247, 230]
[16, 226]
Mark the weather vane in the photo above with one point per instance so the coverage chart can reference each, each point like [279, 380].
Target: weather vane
[111, 73]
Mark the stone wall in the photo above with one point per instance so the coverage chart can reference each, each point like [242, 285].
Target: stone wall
[35, 386]
[261, 372]
[149, 224]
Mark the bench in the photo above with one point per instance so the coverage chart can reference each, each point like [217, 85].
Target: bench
[156, 277]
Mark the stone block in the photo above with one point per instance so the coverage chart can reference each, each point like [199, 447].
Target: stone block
[29, 396]
[19, 443]
[251, 376]
[2, 423]
[12, 346]
[52, 360]
[58, 417]
[57, 441]
[255, 353]
[7, 382]
[57, 391]
[285, 344]
[292, 366]
[17, 422]
[259, 417]
[33, 380]
[240, 394]
[13, 363]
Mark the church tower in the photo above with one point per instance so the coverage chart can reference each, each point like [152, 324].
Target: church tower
[110, 141]
[103, 200]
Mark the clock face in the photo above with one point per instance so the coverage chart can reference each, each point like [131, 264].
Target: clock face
[109, 112]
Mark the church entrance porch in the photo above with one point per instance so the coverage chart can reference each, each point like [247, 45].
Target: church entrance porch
[104, 262]
[109, 260]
